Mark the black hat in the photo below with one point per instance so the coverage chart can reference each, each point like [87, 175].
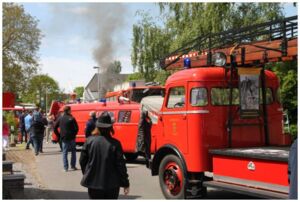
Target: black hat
[104, 120]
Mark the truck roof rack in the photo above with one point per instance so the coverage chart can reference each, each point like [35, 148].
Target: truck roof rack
[277, 39]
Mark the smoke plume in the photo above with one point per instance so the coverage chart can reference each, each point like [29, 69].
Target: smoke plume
[107, 20]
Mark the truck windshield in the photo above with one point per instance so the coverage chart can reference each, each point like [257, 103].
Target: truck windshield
[176, 98]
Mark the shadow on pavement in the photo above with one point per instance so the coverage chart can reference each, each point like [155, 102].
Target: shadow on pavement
[34, 193]
[221, 194]
[50, 153]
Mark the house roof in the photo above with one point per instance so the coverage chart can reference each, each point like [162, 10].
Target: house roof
[93, 83]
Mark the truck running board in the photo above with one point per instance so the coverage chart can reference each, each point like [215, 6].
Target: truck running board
[245, 190]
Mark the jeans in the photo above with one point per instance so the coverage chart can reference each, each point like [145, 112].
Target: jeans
[37, 143]
[48, 131]
[23, 134]
[69, 145]
[30, 139]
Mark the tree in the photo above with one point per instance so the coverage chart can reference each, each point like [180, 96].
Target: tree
[287, 73]
[42, 89]
[115, 67]
[149, 44]
[79, 91]
[186, 21]
[135, 77]
[21, 41]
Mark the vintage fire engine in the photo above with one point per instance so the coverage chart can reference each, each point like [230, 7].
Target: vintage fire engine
[220, 122]
[124, 109]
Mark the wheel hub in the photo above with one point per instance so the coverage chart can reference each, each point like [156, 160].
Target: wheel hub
[171, 179]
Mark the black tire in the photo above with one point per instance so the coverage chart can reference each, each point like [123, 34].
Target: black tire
[131, 156]
[171, 177]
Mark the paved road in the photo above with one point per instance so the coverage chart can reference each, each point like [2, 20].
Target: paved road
[66, 185]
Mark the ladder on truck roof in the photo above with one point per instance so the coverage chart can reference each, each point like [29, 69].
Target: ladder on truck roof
[254, 45]
[275, 39]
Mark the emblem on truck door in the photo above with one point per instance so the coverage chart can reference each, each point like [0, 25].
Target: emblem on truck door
[251, 166]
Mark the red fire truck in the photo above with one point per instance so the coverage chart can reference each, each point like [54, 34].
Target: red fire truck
[124, 108]
[220, 122]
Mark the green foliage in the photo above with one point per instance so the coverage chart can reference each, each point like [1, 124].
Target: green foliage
[135, 77]
[41, 88]
[115, 67]
[21, 41]
[186, 21]
[288, 75]
[161, 76]
[149, 44]
[79, 91]
[11, 120]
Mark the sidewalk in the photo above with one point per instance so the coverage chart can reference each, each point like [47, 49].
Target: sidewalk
[45, 178]
[25, 162]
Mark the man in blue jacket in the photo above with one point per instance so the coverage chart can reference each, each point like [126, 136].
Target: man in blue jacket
[28, 120]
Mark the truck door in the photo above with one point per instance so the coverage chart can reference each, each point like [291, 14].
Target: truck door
[175, 117]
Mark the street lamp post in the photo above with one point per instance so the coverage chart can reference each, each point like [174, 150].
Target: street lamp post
[98, 78]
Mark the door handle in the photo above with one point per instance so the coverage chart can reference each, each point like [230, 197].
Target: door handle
[184, 117]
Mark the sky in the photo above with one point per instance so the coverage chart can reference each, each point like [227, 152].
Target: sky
[80, 36]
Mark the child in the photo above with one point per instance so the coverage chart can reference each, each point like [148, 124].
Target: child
[5, 134]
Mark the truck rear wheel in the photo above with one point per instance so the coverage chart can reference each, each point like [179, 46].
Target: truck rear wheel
[171, 177]
[131, 156]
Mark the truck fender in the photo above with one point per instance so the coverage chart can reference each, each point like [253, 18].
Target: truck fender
[161, 153]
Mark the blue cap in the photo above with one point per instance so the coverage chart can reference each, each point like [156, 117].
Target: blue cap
[186, 63]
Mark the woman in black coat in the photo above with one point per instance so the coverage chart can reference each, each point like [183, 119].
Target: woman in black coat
[102, 163]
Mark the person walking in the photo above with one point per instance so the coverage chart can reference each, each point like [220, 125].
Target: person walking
[68, 130]
[49, 128]
[45, 122]
[28, 120]
[102, 162]
[22, 127]
[91, 124]
[144, 136]
[5, 134]
[37, 130]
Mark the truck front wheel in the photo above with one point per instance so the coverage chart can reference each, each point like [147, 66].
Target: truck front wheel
[171, 177]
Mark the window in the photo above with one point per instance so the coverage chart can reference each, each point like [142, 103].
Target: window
[220, 96]
[111, 114]
[124, 116]
[198, 97]
[176, 98]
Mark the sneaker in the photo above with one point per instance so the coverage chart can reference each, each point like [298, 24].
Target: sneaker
[73, 168]
[65, 170]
